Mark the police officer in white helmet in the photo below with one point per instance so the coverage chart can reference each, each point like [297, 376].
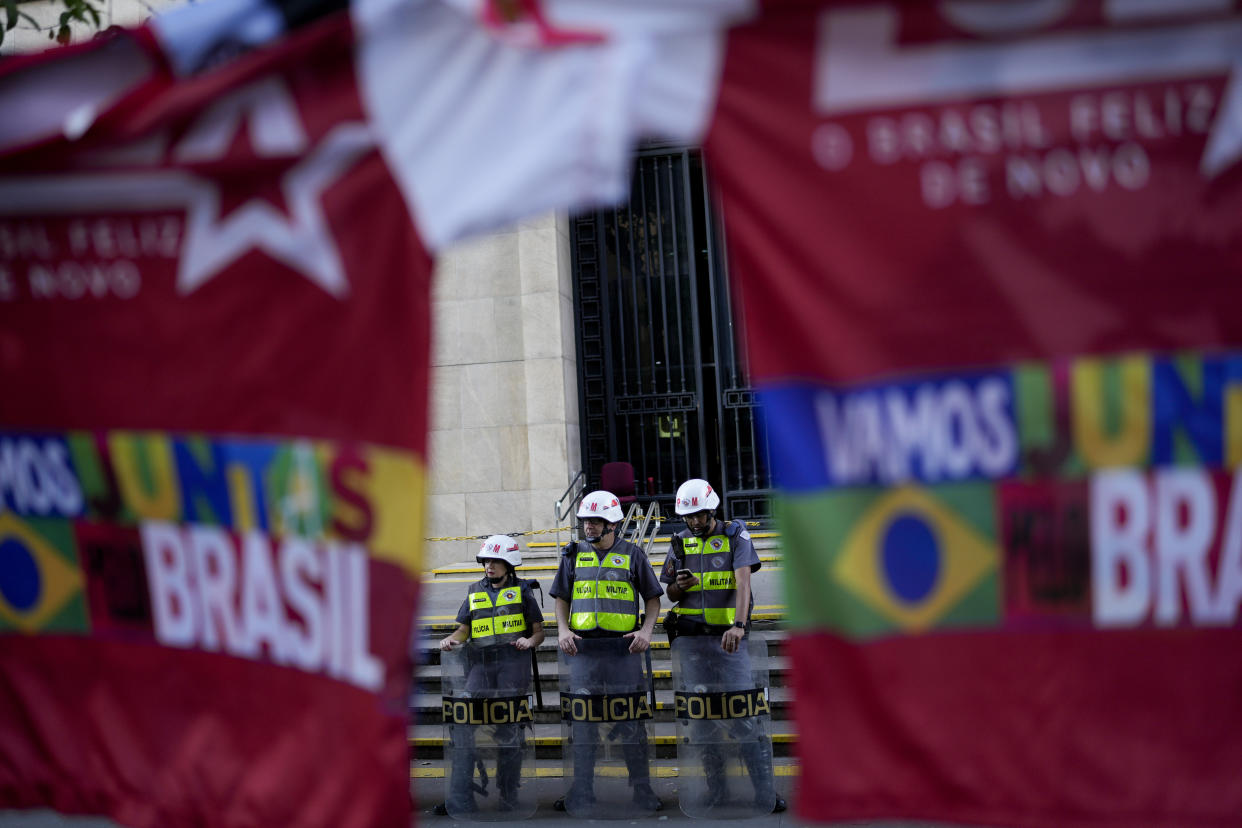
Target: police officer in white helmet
[602, 557]
[499, 611]
[708, 571]
[500, 557]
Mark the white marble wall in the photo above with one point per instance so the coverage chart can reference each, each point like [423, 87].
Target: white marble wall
[505, 399]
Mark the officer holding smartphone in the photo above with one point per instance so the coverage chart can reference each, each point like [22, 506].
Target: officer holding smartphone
[708, 571]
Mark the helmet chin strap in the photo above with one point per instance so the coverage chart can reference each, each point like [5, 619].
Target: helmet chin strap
[605, 532]
[504, 577]
[704, 530]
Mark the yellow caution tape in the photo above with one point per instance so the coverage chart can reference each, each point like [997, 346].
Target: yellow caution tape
[543, 532]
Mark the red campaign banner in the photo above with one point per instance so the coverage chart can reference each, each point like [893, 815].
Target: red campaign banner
[214, 334]
[990, 257]
[965, 181]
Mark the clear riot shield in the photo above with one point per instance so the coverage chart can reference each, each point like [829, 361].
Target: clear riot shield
[607, 711]
[724, 749]
[487, 716]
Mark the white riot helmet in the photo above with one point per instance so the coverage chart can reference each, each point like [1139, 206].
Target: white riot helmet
[501, 548]
[695, 496]
[601, 504]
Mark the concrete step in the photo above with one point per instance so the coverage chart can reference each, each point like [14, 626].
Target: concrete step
[543, 568]
[427, 742]
[548, 780]
[546, 549]
[547, 652]
[428, 769]
[766, 618]
[427, 679]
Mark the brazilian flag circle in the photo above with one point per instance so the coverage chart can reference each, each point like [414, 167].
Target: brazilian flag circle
[910, 555]
[20, 582]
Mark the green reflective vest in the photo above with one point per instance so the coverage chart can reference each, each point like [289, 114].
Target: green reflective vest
[501, 623]
[604, 596]
[713, 599]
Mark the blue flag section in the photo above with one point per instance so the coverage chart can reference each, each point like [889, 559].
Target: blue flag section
[929, 430]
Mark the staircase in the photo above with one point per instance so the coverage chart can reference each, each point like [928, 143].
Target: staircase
[444, 590]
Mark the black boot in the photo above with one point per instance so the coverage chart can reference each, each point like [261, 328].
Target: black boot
[581, 794]
[758, 758]
[508, 777]
[460, 795]
[646, 798]
[579, 798]
[714, 771]
[457, 806]
[634, 749]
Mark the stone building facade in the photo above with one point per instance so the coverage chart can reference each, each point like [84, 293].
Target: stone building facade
[504, 439]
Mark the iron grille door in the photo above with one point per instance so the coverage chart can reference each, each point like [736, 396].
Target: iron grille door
[662, 384]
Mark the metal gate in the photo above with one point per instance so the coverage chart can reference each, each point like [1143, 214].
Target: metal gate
[662, 383]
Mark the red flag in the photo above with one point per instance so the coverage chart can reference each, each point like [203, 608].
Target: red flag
[215, 350]
[989, 259]
[214, 333]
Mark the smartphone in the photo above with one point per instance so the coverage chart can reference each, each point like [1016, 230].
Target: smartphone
[685, 572]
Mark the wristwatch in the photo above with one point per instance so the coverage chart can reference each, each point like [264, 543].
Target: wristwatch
[741, 625]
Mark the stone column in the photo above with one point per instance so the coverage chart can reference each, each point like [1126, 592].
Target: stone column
[504, 437]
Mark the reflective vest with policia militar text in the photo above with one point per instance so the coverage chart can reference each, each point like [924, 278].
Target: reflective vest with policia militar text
[502, 623]
[603, 596]
[712, 600]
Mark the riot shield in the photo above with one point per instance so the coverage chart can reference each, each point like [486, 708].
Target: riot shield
[724, 749]
[487, 717]
[607, 711]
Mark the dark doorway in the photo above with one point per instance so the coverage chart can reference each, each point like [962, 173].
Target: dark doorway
[661, 378]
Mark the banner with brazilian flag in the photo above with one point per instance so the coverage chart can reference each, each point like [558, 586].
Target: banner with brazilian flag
[41, 590]
[990, 256]
[903, 560]
[216, 255]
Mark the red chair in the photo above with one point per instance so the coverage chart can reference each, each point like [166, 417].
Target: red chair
[618, 477]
